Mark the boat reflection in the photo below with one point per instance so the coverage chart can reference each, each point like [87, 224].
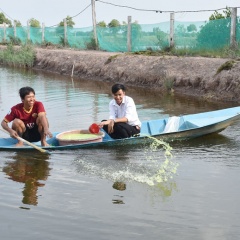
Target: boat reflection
[29, 169]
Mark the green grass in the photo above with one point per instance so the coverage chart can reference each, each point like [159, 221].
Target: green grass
[226, 66]
[226, 52]
[111, 58]
[22, 56]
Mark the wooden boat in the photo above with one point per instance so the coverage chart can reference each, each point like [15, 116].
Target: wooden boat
[168, 129]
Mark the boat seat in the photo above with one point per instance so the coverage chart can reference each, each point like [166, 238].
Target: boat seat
[153, 127]
[145, 128]
[187, 125]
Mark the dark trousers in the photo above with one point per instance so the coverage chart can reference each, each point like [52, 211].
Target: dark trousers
[32, 135]
[122, 130]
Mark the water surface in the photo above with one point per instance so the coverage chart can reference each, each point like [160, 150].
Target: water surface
[74, 194]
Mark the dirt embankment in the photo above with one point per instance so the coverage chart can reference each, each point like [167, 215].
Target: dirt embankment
[189, 75]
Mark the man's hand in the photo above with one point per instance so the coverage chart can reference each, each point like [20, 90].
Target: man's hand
[110, 126]
[13, 133]
[47, 133]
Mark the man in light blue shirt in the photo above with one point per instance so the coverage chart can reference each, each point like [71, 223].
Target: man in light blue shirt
[123, 119]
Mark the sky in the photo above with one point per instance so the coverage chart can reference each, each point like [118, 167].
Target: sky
[51, 12]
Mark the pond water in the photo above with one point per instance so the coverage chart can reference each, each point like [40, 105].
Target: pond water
[107, 193]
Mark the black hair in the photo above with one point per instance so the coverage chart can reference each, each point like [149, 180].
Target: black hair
[25, 91]
[116, 87]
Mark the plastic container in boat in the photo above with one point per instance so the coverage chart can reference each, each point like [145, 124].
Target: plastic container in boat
[74, 137]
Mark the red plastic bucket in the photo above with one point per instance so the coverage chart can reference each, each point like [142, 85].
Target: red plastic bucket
[94, 128]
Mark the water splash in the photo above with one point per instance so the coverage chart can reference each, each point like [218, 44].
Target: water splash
[167, 168]
[152, 166]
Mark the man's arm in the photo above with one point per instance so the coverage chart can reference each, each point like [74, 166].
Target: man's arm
[44, 122]
[5, 126]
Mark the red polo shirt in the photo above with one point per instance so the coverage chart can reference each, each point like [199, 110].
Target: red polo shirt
[28, 117]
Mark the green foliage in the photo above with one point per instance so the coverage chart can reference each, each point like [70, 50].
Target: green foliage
[102, 24]
[230, 52]
[136, 30]
[226, 66]
[114, 23]
[216, 15]
[3, 19]
[91, 45]
[70, 22]
[47, 44]
[214, 34]
[226, 52]
[17, 23]
[18, 56]
[111, 58]
[192, 28]
[162, 38]
[34, 23]
[168, 82]
[63, 43]
[114, 26]
[14, 40]
[180, 30]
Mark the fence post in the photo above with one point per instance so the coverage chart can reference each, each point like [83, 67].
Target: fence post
[233, 42]
[4, 32]
[171, 36]
[28, 31]
[65, 31]
[43, 32]
[14, 29]
[94, 23]
[129, 34]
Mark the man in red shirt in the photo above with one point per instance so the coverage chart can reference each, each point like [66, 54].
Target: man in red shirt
[28, 119]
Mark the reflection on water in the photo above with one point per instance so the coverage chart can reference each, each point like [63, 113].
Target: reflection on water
[30, 169]
[120, 186]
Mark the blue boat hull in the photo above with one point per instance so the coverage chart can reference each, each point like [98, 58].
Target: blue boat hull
[188, 127]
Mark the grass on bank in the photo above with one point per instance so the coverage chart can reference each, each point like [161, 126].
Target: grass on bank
[226, 52]
[22, 56]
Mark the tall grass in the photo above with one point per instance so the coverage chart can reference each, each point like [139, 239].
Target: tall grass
[22, 56]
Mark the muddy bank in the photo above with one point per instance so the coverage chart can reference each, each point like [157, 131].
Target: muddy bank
[196, 76]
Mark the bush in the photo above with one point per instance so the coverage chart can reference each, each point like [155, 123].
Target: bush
[91, 45]
[18, 56]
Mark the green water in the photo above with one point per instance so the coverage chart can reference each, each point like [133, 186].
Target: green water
[78, 136]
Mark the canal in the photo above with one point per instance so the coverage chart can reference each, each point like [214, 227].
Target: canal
[107, 193]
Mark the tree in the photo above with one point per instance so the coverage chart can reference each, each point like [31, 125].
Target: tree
[162, 37]
[102, 24]
[70, 22]
[215, 33]
[216, 15]
[34, 23]
[114, 23]
[192, 28]
[114, 26]
[17, 23]
[3, 19]
[136, 30]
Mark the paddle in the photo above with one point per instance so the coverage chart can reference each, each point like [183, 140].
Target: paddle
[94, 128]
[28, 143]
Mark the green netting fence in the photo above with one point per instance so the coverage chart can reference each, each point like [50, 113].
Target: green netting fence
[205, 35]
